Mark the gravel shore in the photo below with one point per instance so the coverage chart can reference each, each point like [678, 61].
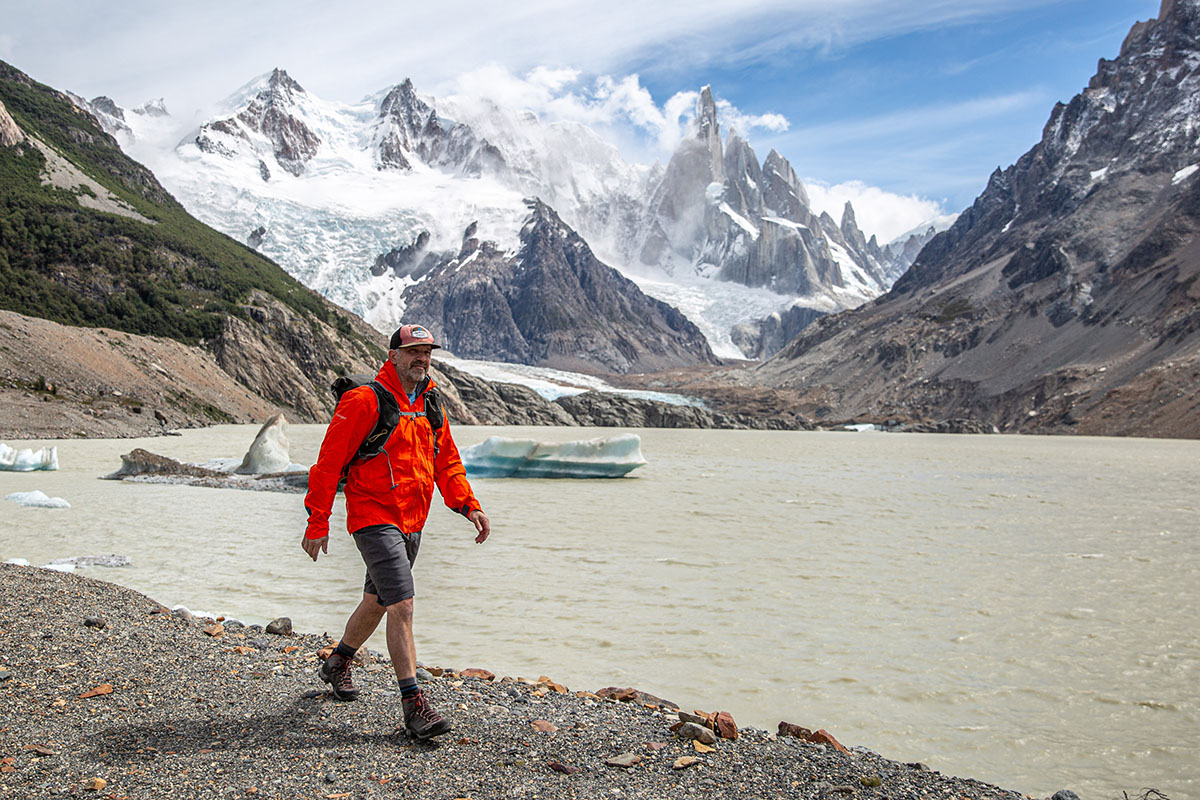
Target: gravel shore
[104, 693]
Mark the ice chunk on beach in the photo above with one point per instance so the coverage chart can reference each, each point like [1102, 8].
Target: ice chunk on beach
[12, 460]
[603, 457]
[19, 562]
[94, 561]
[37, 499]
[59, 567]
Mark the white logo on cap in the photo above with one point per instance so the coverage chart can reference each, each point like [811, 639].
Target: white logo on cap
[420, 333]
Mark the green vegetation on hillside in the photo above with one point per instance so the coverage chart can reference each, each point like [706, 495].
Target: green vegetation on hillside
[176, 277]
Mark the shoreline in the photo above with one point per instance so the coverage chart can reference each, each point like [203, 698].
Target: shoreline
[192, 714]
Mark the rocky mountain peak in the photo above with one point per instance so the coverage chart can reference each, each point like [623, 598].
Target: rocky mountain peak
[708, 131]
[783, 192]
[281, 87]
[153, 108]
[277, 113]
[551, 303]
[409, 131]
[107, 105]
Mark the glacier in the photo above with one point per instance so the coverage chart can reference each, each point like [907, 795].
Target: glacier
[602, 457]
[37, 499]
[552, 384]
[28, 460]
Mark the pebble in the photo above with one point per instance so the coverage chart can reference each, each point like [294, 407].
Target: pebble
[281, 626]
[95, 622]
[692, 730]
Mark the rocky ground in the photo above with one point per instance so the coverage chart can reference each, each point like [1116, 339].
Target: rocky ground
[103, 693]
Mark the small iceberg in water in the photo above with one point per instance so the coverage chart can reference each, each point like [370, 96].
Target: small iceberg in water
[81, 562]
[604, 457]
[12, 460]
[37, 499]
[266, 466]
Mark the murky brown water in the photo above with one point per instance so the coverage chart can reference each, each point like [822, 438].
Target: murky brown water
[1019, 610]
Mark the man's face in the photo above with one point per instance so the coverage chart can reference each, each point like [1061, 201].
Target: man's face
[412, 363]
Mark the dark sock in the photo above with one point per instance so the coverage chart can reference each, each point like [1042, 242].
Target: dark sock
[345, 651]
[409, 688]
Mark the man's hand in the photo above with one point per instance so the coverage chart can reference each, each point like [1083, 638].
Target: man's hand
[315, 546]
[481, 523]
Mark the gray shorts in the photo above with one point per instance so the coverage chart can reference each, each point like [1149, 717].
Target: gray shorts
[389, 556]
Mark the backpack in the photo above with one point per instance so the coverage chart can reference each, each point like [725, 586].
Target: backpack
[389, 413]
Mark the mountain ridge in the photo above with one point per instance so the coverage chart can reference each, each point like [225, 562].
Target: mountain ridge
[88, 237]
[1066, 297]
[475, 164]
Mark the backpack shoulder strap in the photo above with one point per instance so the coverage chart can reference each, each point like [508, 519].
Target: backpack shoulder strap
[389, 417]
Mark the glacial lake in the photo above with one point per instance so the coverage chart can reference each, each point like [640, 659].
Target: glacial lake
[1021, 610]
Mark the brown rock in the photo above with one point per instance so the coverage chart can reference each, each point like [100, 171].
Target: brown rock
[543, 725]
[825, 737]
[631, 695]
[793, 730]
[95, 784]
[655, 745]
[684, 762]
[481, 674]
[565, 769]
[104, 688]
[214, 630]
[726, 727]
[625, 760]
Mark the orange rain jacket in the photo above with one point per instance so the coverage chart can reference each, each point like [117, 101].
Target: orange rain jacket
[396, 486]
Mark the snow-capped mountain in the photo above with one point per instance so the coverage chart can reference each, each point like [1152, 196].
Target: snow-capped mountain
[550, 303]
[353, 198]
[716, 211]
[902, 251]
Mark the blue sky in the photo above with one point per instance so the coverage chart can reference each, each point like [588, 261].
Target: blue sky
[904, 107]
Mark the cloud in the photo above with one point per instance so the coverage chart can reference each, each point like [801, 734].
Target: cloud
[879, 212]
[619, 106]
[733, 119]
[937, 118]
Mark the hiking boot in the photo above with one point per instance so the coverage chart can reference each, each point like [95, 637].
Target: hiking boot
[422, 720]
[336, 672]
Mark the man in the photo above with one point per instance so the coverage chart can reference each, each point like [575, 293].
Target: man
[387, 501]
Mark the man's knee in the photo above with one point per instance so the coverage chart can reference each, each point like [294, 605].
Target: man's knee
[402, 611]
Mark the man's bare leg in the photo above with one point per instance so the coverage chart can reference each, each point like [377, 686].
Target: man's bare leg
[401, 648]
[363, 621]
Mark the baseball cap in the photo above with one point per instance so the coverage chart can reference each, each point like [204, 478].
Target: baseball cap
[411, 335]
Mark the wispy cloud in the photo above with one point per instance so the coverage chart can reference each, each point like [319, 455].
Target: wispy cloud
[937, 117]
[607, 103]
